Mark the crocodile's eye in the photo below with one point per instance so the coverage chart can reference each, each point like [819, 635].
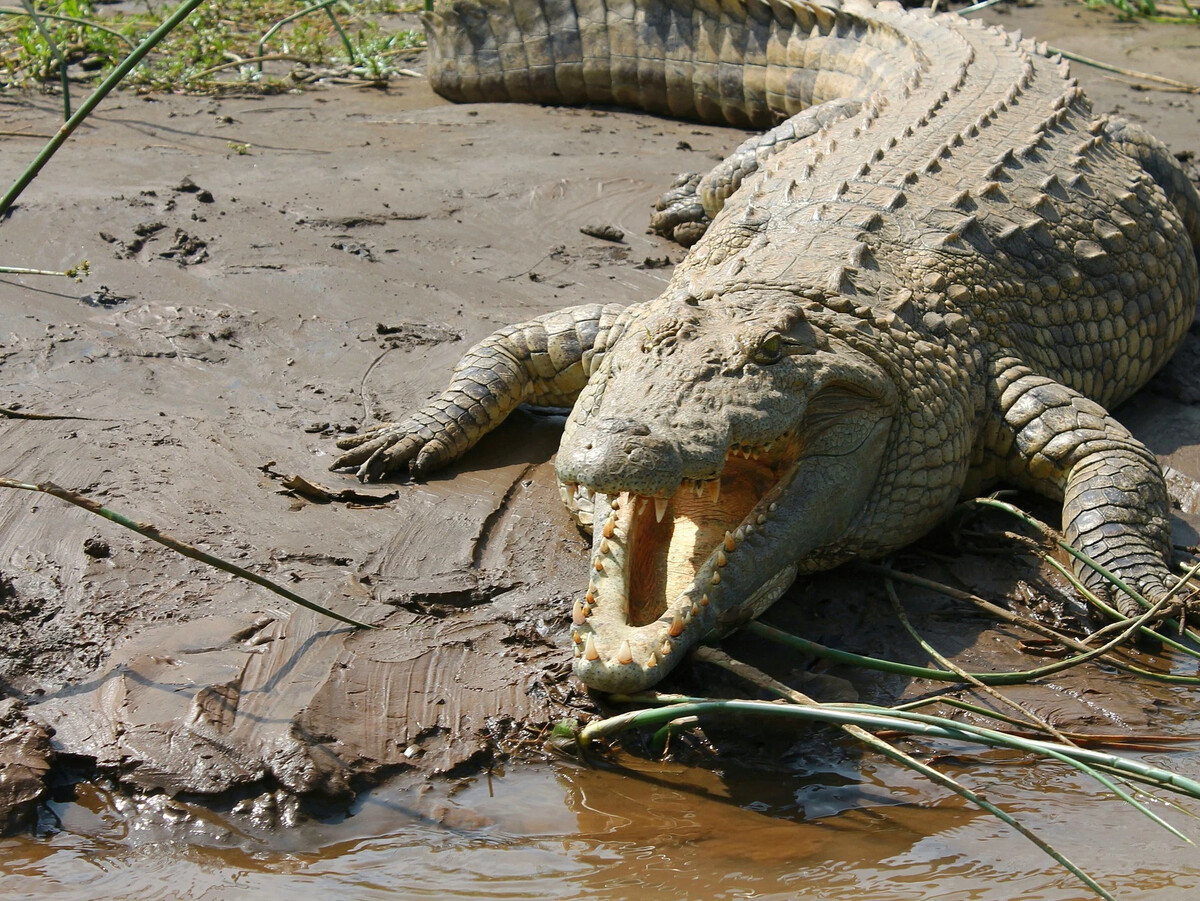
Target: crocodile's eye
[770, 350]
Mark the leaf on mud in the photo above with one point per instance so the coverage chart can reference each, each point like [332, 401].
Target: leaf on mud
[294, 484]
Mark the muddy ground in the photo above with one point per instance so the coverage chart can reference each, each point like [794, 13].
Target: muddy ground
[271, 272]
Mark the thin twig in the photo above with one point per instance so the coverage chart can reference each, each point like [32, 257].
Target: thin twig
[149, 531]
[1133, 73]
[111, 81]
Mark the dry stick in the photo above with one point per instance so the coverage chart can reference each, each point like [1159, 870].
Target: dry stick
[114, 78]
[9, 413]
[1133, 73]
[235, 63]
[770, 633]
[149, 531]
[1022, 621]
[1029, 715]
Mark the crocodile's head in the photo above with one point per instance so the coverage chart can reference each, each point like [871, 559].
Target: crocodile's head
[726, 443]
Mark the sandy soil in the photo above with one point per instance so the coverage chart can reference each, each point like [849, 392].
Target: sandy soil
[269, 273]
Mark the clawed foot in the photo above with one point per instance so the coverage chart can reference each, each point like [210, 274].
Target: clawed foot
[1173, 603]
[679, 214]
[388, 448]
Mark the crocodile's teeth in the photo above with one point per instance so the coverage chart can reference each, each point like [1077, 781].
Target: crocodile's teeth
[571, 488]
[604, 548]
[716, 577]
[625, 653]
[730, 544]
[652, 661]
[716, 490]
[643, 505]
[578, 614]
[666, 649]
[576, 637]
[696, 609]
[739, 534]
[698, 488]
[660, 508]
[610, 527]
[589, 649]
[721, 558]
[703, 600]
[677, 625]
[599, 565]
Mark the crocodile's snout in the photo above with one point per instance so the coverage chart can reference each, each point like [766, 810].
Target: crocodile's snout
[619, 454]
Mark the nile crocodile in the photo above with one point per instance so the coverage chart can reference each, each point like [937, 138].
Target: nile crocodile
[934, 271]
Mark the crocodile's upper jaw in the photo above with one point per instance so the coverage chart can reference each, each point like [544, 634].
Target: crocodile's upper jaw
[665, 572]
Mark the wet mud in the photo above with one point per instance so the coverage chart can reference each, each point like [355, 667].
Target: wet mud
[269, 273]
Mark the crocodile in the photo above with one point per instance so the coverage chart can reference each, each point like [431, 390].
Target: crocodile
[932, 269]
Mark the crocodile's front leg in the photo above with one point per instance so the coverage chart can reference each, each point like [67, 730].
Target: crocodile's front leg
[1055, 441]
[684, 212]
[545, 361]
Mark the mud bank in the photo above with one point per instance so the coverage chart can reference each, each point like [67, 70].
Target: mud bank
[270, 273]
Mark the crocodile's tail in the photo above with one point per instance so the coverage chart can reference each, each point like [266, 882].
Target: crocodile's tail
[749, 63]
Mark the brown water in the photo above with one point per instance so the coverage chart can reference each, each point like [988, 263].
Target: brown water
[850, 828]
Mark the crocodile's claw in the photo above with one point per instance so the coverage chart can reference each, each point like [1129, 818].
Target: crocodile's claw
[679, 215]
[390, 447]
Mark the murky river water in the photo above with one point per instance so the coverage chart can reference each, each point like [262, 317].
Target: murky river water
[850, 827]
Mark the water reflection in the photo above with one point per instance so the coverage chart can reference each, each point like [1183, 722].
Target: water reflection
[858, 828]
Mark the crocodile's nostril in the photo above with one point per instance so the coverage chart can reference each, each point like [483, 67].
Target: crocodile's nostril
[623, 427]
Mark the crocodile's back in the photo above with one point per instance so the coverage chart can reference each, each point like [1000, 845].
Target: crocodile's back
[983, 188]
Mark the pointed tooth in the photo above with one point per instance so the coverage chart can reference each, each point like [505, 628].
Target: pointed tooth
[610, 528]
[716, 490]
[620, 500]
[660, 508]
[716, 577]
[703, 600]
[746, 453]
[773, 508]
[730, 544]
[739, 534]
[578, 613]
[604, 547]
[721, 558]
[625, 653]
[677, 625]
[589, 649]
[652, 661]
[599, 565]
[576, 637]
[666, 648]
[695, 609]
[643, 505]
[749, 528]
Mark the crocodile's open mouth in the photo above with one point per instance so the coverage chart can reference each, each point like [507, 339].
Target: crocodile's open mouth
[658, 563]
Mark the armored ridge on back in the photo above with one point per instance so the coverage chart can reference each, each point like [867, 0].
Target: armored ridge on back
[935, 271]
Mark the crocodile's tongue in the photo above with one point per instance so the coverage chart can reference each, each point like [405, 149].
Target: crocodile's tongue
[664, 553]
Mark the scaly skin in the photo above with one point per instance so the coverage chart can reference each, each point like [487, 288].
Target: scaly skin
[936, 276]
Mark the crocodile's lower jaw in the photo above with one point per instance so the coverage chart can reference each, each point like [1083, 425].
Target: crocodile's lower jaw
[661, 570]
